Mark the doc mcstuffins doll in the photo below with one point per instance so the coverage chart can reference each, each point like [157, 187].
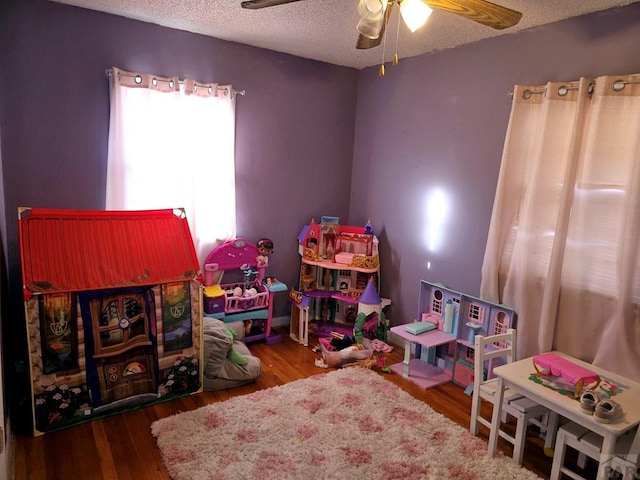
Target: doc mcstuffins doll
[265, 248]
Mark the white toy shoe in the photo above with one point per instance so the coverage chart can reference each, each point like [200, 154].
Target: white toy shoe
[607, 411]
[589, 400]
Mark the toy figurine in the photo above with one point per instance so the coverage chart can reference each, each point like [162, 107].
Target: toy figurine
[265, 248]
[346, 355]
[368, 228]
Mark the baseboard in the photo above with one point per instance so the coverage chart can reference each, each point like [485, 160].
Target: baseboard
[280, 321]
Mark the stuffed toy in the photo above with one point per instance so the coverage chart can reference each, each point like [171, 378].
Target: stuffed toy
[221, 367]
[234, 355]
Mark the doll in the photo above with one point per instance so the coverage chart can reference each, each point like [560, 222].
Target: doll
[265, 248]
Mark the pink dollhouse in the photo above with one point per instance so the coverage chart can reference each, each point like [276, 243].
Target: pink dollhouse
[249, 296]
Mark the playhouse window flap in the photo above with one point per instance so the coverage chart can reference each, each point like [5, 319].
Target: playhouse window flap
[76, 250]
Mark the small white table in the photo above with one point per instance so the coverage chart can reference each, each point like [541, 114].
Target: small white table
[515, 375]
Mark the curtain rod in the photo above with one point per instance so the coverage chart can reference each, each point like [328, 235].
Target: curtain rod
[562, 90]
[108, 72]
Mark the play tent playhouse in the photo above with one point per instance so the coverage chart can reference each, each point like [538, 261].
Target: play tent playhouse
[113, 311]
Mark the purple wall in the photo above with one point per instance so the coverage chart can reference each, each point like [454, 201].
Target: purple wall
[55, 111]
[438, 122]
[295, 125]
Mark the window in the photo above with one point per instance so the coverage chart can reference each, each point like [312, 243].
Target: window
[476, 313]
[120, 322]
[563, 242]
[171, 145]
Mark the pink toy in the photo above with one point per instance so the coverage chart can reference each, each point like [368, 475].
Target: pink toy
[252, 299]
[433, 318]
[553, 364]
[231, 255]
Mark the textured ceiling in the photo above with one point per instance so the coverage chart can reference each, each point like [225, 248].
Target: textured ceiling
[325, 29]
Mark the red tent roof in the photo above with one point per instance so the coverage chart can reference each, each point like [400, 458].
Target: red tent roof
[75, 250]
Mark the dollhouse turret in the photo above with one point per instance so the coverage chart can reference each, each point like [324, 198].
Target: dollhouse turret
[371, 318]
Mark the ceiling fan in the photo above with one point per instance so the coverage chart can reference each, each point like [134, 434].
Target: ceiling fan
[480, 11]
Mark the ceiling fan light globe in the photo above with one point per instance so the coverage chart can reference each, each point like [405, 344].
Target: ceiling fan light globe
[370, 27]
[414, 13]
[371, 7]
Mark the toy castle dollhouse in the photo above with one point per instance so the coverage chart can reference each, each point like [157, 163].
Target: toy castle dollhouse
[337, 263]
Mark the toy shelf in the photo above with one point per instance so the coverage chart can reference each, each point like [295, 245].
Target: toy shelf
[339, 266]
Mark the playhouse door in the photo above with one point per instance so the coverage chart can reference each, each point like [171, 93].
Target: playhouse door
[124, 353]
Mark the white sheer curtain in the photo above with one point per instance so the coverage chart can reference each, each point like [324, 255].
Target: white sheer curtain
[171, 145]
[563, 245]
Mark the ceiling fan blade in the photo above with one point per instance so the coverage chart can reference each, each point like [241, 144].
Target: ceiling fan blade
[365, 43]
[256, 4]
[480, 11]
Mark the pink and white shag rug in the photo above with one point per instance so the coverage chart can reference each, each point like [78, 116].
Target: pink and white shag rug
[346, 424]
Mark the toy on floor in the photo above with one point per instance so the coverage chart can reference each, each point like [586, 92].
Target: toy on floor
[365, 363]
[233, 354]
[339, 341]
[354, 352]
[376, 361]
[339, 358]
[380, 346]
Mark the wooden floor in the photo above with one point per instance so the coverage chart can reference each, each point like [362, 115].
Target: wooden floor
[121, 447]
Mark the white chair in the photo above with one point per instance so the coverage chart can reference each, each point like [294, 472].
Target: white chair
[524, 410]
[586, 442]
